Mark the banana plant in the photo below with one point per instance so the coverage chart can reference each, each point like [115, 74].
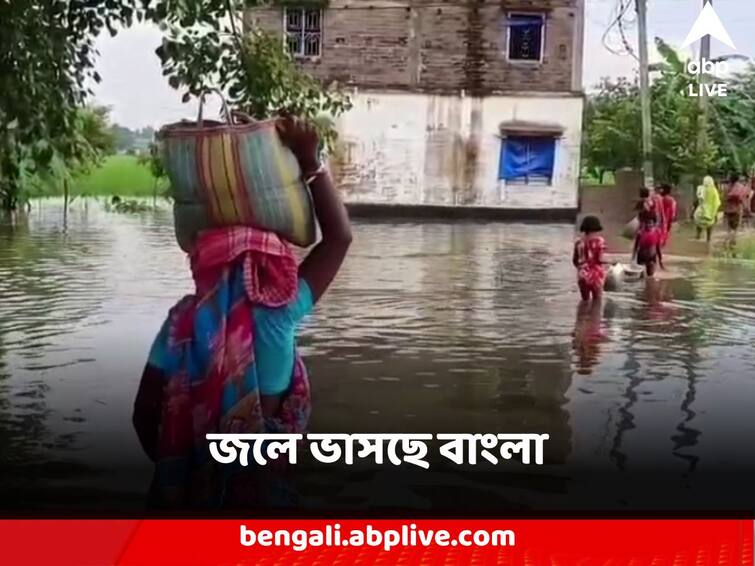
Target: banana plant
[612, 121]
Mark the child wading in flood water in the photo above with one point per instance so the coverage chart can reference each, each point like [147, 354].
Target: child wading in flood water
[669, 205]
[648, 243]
[588, 259]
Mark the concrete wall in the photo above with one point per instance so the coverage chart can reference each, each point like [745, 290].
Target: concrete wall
[425, 149]
[614, 204]
[441, 47]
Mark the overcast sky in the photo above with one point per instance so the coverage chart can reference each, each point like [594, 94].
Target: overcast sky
[133, 85]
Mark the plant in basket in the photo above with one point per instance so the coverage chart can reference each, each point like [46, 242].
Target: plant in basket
[237, 171]
[204, 48]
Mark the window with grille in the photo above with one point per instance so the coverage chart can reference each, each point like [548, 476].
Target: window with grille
[304, 31]
[526, 33]
[527, 160]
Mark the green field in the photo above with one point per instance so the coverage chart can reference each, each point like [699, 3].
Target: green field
[120, 175]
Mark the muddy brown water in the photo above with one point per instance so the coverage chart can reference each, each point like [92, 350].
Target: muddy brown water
[432, 327]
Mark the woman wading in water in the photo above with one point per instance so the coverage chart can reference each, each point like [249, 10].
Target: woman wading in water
[736, 200]
[708, 205]
[225, 360]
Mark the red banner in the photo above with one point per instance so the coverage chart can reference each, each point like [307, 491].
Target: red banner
[525, 542]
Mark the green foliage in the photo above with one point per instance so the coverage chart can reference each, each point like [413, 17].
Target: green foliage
[743, 249]
[612, 134]
[733, 120]
[153, 160]
[676, 122]
[204, 50]
[47, 57]
[90, 141]
[46, 60]
[612, 128]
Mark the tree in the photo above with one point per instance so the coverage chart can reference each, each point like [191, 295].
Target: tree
[124, 137]
[612, 125]
[47, 57]
[91, 140]
[612, 136]
[676, 122]
[204, 49]
[154, 161]
[612, 128]
[733, 119]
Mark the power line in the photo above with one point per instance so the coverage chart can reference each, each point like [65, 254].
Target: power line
[624, 40]
[620, 22]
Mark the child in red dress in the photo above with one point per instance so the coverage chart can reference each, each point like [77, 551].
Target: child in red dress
[669, 212]
[648, 243]
[588, 259]
[649, 205]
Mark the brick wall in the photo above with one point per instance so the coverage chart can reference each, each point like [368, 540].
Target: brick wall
[440, 46]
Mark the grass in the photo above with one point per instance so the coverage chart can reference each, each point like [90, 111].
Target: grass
[121, 175]
[743, 249]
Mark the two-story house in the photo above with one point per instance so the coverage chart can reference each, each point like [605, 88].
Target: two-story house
[456, 102]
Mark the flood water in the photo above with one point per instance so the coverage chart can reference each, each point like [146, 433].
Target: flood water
[437, 327]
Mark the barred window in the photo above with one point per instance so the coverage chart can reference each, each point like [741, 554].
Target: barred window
[303, 31]
[525, 42]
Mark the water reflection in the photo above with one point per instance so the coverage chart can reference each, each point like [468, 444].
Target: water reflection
[429, 328]
[660, 296]
[588, 336]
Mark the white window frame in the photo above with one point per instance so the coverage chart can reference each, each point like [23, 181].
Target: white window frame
[302, 56]
[544, 18]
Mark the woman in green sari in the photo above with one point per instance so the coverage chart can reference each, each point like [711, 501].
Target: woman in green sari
[708, 205]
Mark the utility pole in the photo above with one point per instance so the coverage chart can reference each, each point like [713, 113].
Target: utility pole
[705, 40]
[647, 125]
[702, 132]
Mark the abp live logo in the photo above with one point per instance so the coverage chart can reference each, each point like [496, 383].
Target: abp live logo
[708, 23]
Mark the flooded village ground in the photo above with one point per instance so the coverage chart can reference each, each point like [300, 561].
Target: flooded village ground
[434, 327]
